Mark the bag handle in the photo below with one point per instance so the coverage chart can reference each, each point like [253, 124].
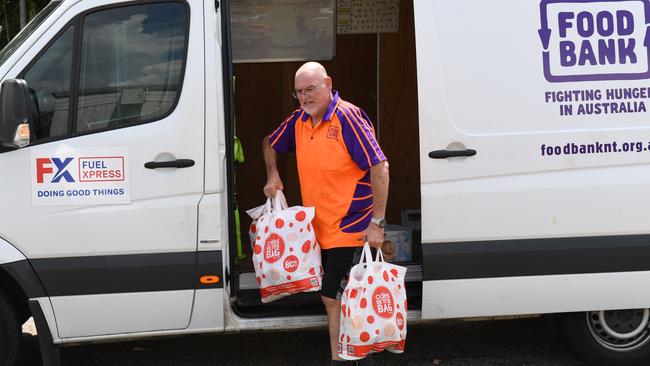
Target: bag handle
[380, 256]
[279, 201]
[366, 256]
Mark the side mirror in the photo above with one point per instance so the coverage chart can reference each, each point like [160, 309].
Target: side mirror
[15, 131]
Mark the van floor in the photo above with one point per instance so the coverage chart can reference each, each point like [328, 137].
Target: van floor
[248, 304]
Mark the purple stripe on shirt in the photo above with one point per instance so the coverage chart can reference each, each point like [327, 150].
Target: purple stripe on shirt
[359, 139]
[330, 109]
[283, 139]
[358, 226]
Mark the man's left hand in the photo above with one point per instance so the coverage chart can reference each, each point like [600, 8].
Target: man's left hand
[374, 235]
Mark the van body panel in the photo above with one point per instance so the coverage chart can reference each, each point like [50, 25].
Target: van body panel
[121, 313]
[9, 253]
[523, 295]
[161, 217]
[534, 175]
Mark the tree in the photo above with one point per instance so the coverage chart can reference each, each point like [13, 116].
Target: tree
[10, 16]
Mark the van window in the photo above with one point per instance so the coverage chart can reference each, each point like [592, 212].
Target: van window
[131, 64]
[48, 79]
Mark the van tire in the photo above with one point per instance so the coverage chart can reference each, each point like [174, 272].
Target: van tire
[9, 332]
[610, 338]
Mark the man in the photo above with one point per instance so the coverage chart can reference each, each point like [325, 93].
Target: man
[343, 174]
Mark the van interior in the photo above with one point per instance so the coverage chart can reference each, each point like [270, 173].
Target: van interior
[375, 71]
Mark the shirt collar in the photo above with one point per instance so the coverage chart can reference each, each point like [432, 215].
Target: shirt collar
[330, 109]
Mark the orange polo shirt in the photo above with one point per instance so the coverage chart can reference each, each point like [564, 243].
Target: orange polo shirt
[334, 160]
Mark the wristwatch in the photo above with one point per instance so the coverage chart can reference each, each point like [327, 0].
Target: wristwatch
[379, 221]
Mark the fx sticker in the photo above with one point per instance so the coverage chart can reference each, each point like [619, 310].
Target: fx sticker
[66, 177]
[588, 40]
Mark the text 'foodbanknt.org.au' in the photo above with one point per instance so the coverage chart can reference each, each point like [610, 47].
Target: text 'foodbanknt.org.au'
[571, 148]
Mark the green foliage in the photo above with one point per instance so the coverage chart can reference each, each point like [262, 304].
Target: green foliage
[10, 17]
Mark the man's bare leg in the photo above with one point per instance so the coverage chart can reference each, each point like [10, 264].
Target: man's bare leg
[333, 309]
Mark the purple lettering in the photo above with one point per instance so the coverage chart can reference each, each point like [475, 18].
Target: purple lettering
[626, 51]
[585, 24]
[606, 51]
[563, 19]
[586, 54]
[602, 18]
[567, 53]
[624, 22]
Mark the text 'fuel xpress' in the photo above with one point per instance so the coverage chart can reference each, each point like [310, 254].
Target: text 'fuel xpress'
[79, 178]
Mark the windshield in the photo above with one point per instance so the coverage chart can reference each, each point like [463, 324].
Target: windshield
[27, 31]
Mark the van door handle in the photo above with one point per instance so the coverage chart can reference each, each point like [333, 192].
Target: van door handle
[444, 154]
[178, 163]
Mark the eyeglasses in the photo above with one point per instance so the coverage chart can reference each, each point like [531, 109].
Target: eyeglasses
[306, 92]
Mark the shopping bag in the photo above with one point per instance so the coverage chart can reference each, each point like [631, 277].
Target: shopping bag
[286, 256]
[373, 308]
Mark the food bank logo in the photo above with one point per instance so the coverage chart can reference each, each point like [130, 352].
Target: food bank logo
[587, 40]
[46, 166]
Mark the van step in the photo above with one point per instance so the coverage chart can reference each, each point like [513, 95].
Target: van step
[247, 302]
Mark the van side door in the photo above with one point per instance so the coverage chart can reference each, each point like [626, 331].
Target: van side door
[534, 146]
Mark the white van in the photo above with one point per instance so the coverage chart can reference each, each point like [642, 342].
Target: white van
[118, 184]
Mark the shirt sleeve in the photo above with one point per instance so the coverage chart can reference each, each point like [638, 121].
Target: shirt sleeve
[359, 136]
[283, 139]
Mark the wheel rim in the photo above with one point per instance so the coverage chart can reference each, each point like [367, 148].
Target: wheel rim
[620, 330]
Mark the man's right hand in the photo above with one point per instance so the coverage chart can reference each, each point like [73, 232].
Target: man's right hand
[272, 185]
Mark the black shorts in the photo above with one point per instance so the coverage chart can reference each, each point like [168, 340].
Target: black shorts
[337, 263]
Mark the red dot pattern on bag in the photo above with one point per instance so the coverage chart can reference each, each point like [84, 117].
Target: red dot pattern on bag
[394, 272]
[312, 271]
[354, 293]
[273, 248]
[400, 321]
[371, 319]
[365, 337]
[363, 303]
[343, 309]
[289, 277]
[370, 280]
[382, 302]
[259, 280]
[279, 223]
[301, 216]
[342, 337]
[291, 224]
[309, 228]
[347, 338]
[291, 263]
[258, 250]
[377, 331]
[253, 228]
[266, 230]
[305, 246]
[385, 276]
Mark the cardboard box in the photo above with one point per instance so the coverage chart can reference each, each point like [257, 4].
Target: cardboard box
[403, 239]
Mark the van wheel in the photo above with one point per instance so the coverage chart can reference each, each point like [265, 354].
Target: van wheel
[9, 331]
[611, 338]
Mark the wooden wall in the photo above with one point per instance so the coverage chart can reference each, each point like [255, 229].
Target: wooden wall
[263, 100]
